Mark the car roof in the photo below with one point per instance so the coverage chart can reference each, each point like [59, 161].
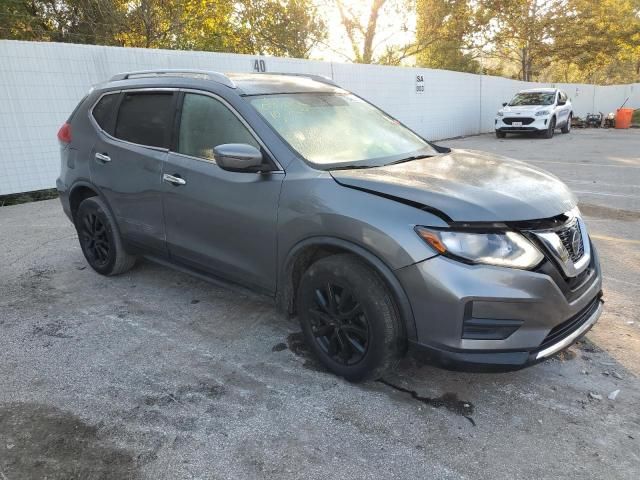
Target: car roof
[272, 83]
[243, 83]
[539, 90]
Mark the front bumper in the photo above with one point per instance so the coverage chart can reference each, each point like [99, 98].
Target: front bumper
[539, 124]
[524, 316]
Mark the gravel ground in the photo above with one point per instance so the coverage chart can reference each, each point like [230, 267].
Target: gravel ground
[155, 374]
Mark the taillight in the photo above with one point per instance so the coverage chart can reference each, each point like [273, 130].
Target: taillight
[64, 134]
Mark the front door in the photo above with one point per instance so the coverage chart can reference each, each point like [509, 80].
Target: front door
[127, 162]
[216, 220]
[563, 111]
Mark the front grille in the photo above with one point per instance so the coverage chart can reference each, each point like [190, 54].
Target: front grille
[525, 121]
[571, 238]
[565, 329]
[571, 287]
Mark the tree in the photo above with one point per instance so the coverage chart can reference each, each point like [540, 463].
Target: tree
[177, 24]
[443, 29]
[78, 21]
[379, 31]
[283, 28]
[599, 42]
[277, 27]
[361, 34]
[519, 33]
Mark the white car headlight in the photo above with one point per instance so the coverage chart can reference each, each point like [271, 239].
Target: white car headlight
[503, 249]
[500, 113]
[540, 113]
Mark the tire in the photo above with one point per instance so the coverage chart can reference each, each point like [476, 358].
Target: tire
[548, 133]
[567, 127]
[99, 238]
[349, 318]
[500, 134]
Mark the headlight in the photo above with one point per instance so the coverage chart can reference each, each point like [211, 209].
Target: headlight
[508, 249]
[540, 113]
[500, 113]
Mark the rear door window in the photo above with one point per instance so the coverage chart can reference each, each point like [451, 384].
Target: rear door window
[145, 118]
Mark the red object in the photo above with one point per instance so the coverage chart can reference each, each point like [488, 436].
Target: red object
[64, 134]
[623, 117]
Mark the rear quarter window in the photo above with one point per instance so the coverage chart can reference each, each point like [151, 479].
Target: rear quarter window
[145, 118]
[103, 111]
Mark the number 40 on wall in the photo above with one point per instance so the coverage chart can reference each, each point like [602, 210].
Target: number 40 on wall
[259, 65]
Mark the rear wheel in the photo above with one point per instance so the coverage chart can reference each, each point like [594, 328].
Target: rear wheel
[567, 127]
[349, 318]
[99, 238]
[500, 134]
[548, 133]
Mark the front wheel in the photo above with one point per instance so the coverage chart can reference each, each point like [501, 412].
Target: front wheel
[500, 134]
[349, 318]
[99, 238]
[567, 127]
[548, 133]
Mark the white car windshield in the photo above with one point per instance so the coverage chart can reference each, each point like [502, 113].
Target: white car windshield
[335, 130]
[533, 98]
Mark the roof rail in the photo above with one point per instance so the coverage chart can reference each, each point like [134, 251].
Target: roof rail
[202, 74]
[317, 78]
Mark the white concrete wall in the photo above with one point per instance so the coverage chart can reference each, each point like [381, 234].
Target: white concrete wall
[41, 83]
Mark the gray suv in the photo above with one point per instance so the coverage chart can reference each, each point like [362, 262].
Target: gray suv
[379, 241]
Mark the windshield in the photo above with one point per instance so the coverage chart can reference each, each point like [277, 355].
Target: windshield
[335, 130]
[533, 98]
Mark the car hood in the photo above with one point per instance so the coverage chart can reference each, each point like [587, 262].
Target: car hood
[467, 186]
[523, 109]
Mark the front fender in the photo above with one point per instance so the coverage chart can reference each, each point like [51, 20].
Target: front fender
[285, 288]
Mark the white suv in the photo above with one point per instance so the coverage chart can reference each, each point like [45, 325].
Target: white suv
[539, 110]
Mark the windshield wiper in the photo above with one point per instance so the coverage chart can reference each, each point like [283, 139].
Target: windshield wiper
[351, 167]
[408, 159]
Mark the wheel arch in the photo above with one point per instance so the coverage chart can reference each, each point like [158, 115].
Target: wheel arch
[80, 191]
[308, 251]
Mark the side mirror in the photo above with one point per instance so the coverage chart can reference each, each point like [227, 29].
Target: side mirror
[504, 104]
[561, 102]
[238, 157]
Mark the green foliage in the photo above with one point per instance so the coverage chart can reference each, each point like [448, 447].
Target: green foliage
[278, 27]
[287, 29]
[599, 42]
[593, 41]
[444, 28]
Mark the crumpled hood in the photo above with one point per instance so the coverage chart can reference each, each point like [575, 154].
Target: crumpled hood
[468, 186]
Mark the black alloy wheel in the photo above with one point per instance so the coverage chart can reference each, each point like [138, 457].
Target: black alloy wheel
[349, 318]
[339, 324]
[93, 235]
[100, 239]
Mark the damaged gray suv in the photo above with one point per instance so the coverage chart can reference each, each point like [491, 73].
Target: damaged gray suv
[379, 241]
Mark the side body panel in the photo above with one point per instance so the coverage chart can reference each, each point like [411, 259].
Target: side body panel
[223, 222]
[130, 176]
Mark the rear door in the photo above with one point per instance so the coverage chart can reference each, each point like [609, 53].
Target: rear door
[128, 158]
[216, 220]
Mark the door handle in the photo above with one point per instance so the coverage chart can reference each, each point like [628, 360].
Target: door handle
[103, 157]
[173, 180]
